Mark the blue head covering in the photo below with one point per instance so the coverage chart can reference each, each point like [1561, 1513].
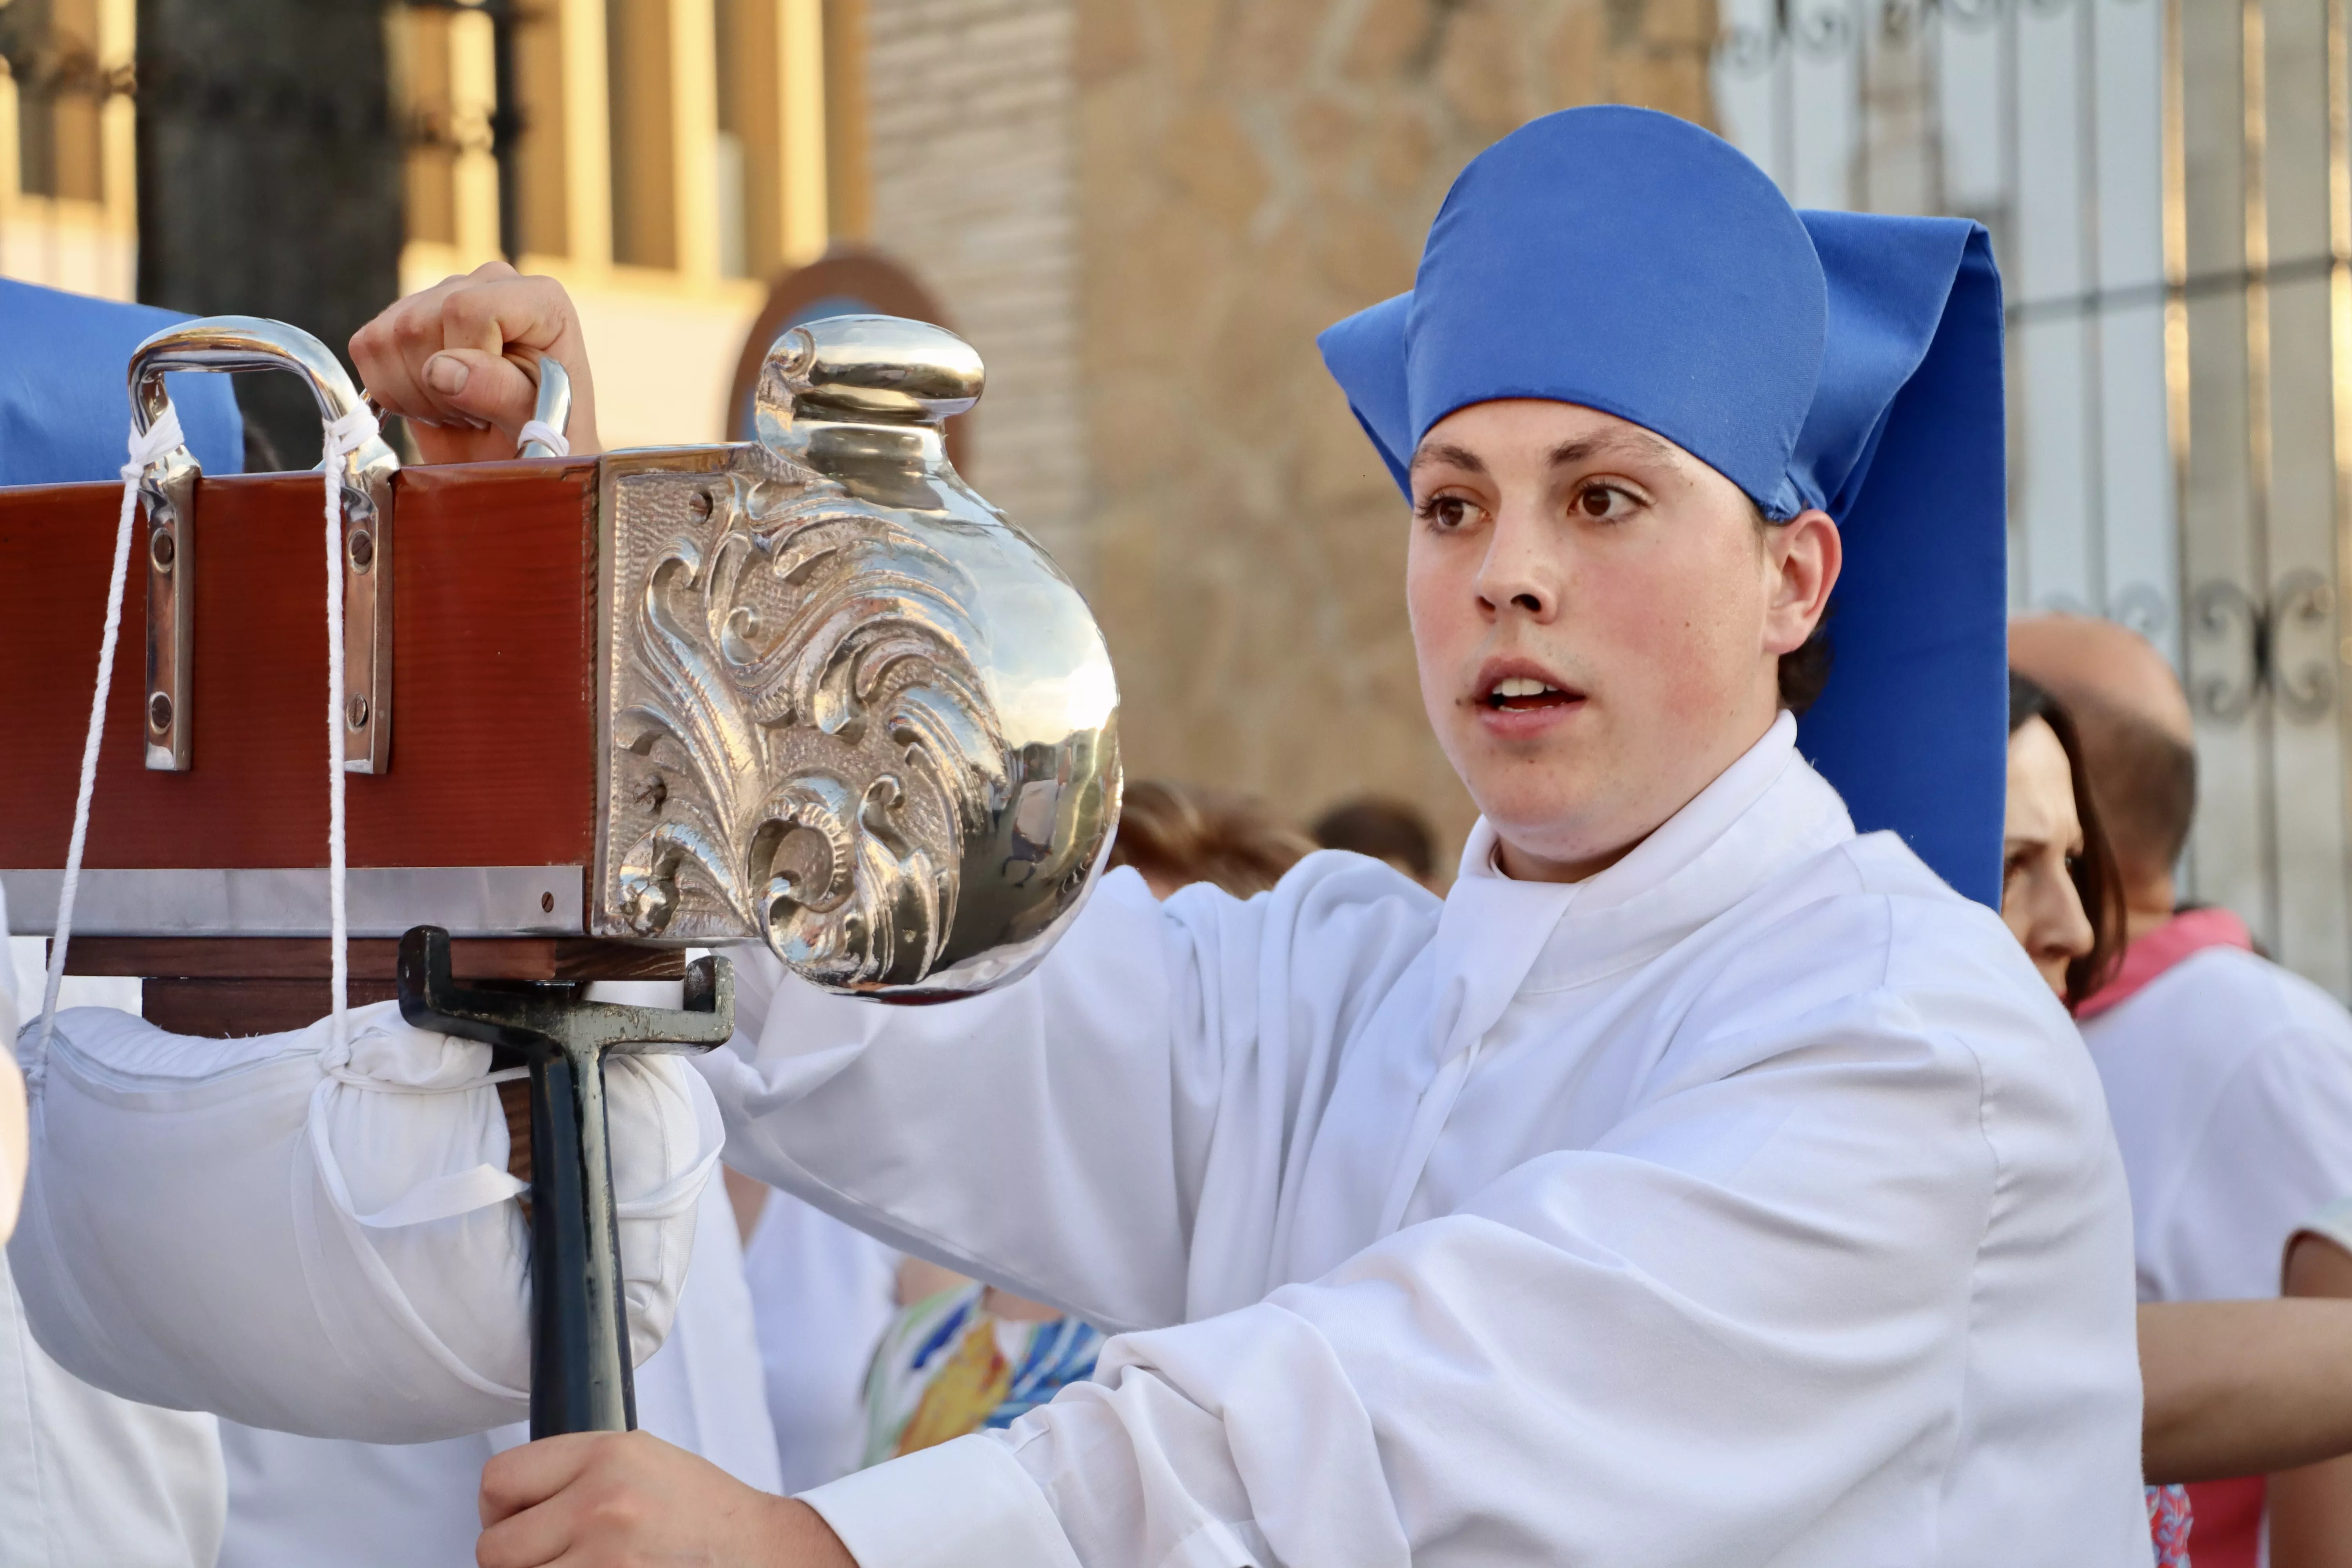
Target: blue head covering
[65, 407]
[1628, 262]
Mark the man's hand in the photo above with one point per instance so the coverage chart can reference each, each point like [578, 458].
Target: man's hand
[627, 1499]
[461, 362]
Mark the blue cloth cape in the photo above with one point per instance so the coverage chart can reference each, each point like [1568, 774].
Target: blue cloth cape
[65, 405]
[1628, 262]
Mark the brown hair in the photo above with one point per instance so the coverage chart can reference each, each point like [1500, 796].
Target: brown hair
[2096, 879]
[1385, 829]
[1185, 834]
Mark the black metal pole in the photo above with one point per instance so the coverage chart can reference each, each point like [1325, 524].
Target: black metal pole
[581, 1379]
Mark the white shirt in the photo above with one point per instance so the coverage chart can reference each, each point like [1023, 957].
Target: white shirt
[1749, 1201]
[299, 1502]
[2229, 1081]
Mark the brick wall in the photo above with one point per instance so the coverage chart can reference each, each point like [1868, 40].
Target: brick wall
[973, 181]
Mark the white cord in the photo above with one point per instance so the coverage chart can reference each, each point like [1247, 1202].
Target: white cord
[159, 438]
[344, 437]
[540, 430]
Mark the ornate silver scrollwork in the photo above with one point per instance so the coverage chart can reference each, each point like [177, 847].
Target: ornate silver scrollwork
[850, 711]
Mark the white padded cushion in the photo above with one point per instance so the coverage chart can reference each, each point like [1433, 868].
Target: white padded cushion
[321, 1247]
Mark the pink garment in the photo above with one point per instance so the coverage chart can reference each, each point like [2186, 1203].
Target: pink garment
[2191, 932]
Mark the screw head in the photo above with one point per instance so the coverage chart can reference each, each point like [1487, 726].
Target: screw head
[547, 903]
[355, 712]
[361, 548]
[159, 711]
[161, 548]
[700, 505]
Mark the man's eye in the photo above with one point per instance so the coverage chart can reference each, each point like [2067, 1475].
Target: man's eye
[1446, 513]
[1604, 502]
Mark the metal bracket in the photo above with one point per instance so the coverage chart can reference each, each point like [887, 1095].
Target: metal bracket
[169, 487]
[580, 1361]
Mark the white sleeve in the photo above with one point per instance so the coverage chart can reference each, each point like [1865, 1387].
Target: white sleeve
[2276, 1146]
[329, 1247]
[1702, 1339]
[1055, 1137]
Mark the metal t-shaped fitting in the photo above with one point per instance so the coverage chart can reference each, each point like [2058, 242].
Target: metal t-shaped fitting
[580, 1328]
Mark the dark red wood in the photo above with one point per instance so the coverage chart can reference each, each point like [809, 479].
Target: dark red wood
[232, 1009]
[308, 958]
[493, 744]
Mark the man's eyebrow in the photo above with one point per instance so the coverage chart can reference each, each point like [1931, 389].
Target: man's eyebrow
[1447, 452]
[1629, 443]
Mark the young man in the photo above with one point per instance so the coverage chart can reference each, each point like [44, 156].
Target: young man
[1700, 1183]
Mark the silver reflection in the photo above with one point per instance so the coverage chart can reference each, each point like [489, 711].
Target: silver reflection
[848, 709]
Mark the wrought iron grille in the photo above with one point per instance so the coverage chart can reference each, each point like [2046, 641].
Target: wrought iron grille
[2169, 193]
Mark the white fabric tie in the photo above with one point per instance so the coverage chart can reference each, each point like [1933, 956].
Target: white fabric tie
[144, 447]
[540, 430]
[344, 437]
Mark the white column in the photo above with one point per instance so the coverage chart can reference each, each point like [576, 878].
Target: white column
[587, 145]
[800, 77]
[694, 137]
[473, 171]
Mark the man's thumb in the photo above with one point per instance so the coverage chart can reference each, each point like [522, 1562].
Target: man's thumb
[486, 385]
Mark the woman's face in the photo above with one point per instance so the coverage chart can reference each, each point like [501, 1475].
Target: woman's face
[2040, 839]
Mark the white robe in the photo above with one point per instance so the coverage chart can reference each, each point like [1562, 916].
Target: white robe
[2229, 1081]
[1751, 1202]
[86, 1477]
[299, 1502]
[822, 1295]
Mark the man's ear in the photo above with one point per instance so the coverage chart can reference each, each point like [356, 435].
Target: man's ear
[1803, 555]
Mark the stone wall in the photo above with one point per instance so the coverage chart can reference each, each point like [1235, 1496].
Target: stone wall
[1226, 178]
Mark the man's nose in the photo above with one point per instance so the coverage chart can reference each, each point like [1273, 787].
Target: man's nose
[1521, 569]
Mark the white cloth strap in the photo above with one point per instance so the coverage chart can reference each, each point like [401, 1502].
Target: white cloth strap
[144, 448]
[540, 430]
[343, 436]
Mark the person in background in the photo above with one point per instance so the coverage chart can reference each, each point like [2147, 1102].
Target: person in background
[1385, 829]
[2228, 1079]
[1175, 835]
[962, 1357]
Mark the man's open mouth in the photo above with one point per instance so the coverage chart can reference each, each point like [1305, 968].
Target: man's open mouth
[1521, 693]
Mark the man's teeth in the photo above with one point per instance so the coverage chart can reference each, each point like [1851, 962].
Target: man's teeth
[1520, 686]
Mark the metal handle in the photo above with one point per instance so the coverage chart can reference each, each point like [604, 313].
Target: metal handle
[553, 408]
[169, 487]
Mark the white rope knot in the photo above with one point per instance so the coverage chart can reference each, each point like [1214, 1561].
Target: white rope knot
[353, 431]
[541, 431]
[158, 439]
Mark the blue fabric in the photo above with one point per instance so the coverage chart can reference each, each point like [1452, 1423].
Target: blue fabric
[1628, 262]
[65, 404]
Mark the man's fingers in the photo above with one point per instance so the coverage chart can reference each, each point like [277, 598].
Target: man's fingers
[487, 386]
[522, 1477]
[532, 1539]
[510, 314]
[463, 356]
